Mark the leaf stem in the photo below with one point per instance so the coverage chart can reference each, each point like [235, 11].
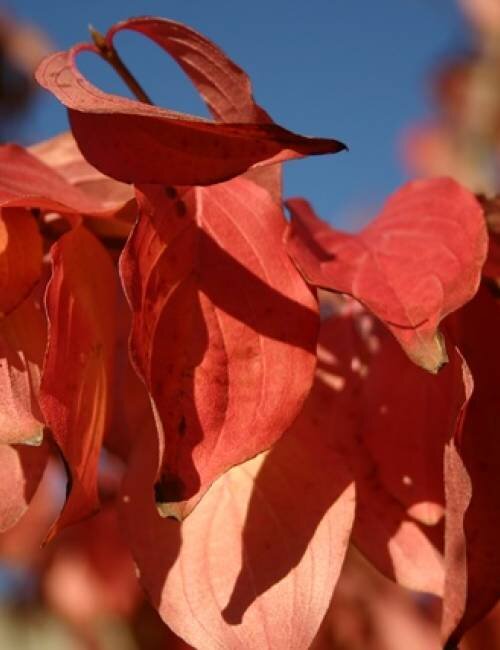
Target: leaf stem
[109, 54]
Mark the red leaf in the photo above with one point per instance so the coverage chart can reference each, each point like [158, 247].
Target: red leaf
[23, 336]
[135, 142]
[22, 469]
[419, 260]
[76, 382]
[266, 545]
[224, 86]
[25, 181]
[472, 467]
[224, 330]
[492, 266]
[20, 257]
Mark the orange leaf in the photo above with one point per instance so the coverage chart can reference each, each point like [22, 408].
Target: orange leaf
[77, 376]
[20, 257]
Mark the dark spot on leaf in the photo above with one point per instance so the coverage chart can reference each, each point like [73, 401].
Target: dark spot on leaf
[180, 208]
[170, 192]
[169, 489]
[451, 645]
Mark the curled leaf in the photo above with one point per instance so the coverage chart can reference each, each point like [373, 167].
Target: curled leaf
[391, 438]
[224, 86]
[135, 142]
[75, 395]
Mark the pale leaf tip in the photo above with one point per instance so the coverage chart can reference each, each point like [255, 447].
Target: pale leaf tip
[171, 511]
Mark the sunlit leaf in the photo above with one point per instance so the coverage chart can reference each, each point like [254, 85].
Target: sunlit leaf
[418, 261]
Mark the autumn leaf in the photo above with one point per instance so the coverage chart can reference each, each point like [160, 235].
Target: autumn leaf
[224, 87]
[136, 142]
[224, 330]
[26, 181]
[418, 261]
[89, 572]
[472, 467]
[20, 257]
[391, 437]
[266, 544]
[75, 395]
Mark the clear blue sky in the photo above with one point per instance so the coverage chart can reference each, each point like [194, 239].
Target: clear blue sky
[356, 70]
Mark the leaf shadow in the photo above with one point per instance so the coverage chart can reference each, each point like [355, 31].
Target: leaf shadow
[289, 500]
[210, 280]
[336, 444]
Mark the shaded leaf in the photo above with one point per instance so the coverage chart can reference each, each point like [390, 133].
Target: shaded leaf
[391, 435]
[20, 257]
[404, 426]
[266, 544]
[136, 142]
[224, 330]
[77, 377]
[472, 468]
[418, 261]
[224, 86]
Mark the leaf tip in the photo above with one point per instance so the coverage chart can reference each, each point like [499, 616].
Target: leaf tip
[170, 511]
[432, 356]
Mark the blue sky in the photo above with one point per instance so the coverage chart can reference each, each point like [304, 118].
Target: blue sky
[356, 70]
